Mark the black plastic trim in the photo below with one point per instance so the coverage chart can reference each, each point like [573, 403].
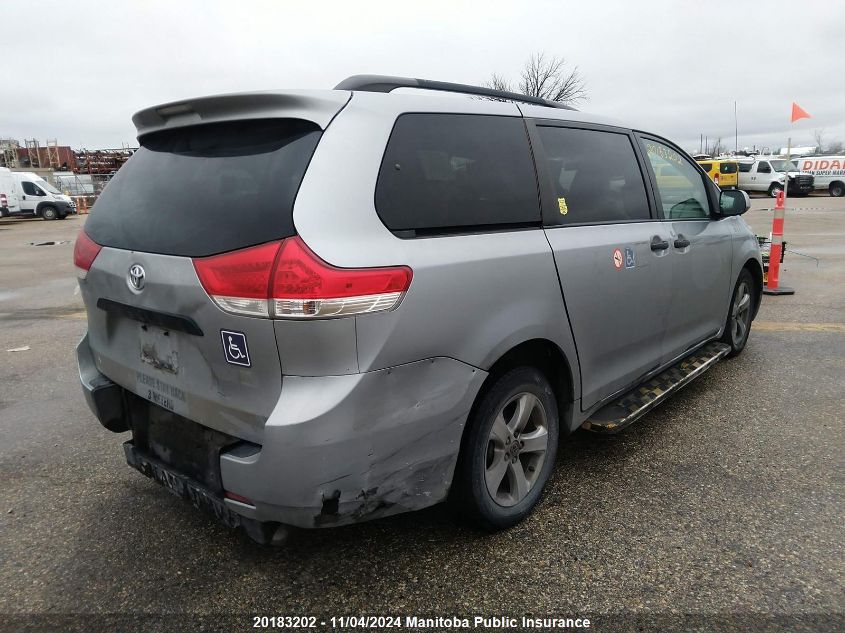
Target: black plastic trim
[164, 320]
[386, 83]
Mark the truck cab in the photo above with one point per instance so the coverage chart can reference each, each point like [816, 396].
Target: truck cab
[38, 197]
[770, 174]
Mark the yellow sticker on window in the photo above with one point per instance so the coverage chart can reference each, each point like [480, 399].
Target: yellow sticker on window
[561, 204]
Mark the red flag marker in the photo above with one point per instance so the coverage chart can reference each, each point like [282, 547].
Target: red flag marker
[798, 113]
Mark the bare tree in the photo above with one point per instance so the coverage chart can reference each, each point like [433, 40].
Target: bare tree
[717, 147]
[547, 78]
[497, 82]
[818, 135]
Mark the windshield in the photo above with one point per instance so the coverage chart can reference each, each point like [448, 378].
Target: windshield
[782, 165]
[46, 186]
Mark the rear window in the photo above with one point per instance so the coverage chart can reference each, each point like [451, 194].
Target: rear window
[727, 168]
[206, 189]
[445, 173]
[706, 166]
[745, 167]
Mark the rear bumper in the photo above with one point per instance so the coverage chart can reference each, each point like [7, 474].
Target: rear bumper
[336, 449]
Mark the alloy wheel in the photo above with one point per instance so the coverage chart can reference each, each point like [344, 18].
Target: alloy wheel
[740, 314]
[516, 449]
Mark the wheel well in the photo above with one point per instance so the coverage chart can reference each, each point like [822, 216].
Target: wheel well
[753, 267]
[548, 358]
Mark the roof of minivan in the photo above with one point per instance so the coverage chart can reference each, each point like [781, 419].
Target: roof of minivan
[320, 106]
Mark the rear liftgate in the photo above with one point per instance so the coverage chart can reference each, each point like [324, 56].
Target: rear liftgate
[615, 416]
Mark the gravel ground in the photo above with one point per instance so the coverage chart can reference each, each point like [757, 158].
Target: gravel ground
[724, 504]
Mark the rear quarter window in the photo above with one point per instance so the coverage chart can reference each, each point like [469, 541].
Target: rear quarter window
[206, 189]
[447, 173]
[745, 167]
[727, 168]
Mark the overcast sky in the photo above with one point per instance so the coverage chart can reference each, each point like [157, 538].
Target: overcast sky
[674, 68]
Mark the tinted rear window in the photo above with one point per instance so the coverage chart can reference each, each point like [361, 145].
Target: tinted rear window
[206, 189]
[745, 167]
[727, 168]
[706, 166]
[446, 173]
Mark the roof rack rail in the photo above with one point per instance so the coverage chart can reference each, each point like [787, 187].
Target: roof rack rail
[386, 83]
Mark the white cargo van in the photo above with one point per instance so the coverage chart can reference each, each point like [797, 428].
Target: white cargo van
[38, 197]
[8, 193]
[770, 173]
[828, 171]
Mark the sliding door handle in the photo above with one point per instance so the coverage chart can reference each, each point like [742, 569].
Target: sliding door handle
[658, 244]
[681, 241]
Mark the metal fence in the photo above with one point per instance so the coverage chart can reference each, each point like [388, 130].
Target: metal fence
[90, 185]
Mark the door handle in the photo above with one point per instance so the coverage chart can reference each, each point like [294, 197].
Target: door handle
[659, 245]
[681, 241]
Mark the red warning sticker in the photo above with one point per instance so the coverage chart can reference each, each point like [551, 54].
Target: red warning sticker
[617, 259]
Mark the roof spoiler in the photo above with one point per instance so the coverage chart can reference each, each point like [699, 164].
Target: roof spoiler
[318, 106]
[386, 83]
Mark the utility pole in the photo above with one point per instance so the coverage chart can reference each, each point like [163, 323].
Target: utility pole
[736, 131]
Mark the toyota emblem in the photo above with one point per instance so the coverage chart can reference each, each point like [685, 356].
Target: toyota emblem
[136, 277]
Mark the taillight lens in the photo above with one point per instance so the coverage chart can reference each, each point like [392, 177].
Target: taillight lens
[286, 280]
[85, 251]
[238, 281]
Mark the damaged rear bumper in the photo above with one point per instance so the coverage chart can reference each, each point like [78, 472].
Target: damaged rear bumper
[335, 450]
[342, 449]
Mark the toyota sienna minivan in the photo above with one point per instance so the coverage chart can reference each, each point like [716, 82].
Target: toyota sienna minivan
[312, 308]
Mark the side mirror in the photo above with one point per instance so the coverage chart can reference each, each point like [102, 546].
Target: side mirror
[733, 202]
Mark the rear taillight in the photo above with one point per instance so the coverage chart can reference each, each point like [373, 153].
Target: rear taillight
[286, 280]
[85, 251]
[238, 281]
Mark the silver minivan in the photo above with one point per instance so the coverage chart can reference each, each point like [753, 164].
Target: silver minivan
[312, 308]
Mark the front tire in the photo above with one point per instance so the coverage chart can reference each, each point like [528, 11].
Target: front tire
[49, 213]
[775, 189]
[509, 450]
[837, 189]
[738, 325]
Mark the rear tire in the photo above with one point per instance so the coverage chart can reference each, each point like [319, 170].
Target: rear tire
[509, 450]
[738, 324]
[837, 189]
[49, 213]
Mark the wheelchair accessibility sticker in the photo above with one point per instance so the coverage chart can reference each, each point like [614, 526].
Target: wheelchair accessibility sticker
[630, 260]
[234, 346]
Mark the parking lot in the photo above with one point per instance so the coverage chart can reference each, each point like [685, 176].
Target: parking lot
[728, 499]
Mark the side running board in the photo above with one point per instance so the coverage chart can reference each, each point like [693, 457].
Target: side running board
[615, 416]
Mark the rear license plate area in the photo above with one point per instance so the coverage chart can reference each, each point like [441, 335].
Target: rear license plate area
[180, 444]
[198, 495]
